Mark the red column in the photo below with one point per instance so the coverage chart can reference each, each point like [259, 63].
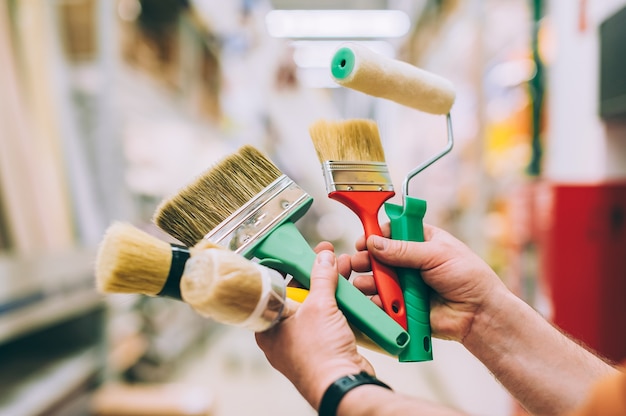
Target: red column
[584, 264]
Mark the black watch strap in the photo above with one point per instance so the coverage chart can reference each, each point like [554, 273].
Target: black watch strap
[335, 392]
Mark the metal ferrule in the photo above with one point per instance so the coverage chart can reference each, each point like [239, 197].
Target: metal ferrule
[263, 212]
[356, 176]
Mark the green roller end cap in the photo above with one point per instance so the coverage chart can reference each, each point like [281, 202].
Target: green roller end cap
[342, 63]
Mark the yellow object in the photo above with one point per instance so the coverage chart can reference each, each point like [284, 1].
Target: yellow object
[297, 294]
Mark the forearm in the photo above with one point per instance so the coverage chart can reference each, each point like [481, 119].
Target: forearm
[377, 401]
[541, 367]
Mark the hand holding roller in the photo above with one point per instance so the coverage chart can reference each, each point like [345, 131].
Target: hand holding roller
[356, 67]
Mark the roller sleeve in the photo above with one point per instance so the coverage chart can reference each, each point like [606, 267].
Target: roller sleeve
[364, 70]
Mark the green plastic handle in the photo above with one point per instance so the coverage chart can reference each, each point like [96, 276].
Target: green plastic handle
[407, 224]
[285, 249]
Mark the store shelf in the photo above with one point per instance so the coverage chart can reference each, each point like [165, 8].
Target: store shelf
[51, 331]
[38, 292]
[45, 388]
[47, 311]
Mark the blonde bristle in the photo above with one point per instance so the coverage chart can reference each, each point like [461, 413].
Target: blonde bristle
[355, 140]
[211, 198]
[130, 260]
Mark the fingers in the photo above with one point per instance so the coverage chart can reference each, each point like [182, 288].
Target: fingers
[438, 247]
[344, 265]
[366, 284]
[430, 231]
[343, 261]
[324, 245]
[360, 242]
[324, 275]
[398, 253]
[361, 262]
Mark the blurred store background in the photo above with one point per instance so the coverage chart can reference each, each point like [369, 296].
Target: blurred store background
[110, 106]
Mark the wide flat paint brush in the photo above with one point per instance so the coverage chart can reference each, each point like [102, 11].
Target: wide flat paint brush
[359, 68]
[354, 168]
[246, 204]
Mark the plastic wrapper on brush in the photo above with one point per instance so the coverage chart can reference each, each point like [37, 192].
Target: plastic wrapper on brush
[229, 289]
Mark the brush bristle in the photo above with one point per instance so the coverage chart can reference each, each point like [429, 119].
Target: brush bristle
[130, 260]
[354, 140]
[199, 207]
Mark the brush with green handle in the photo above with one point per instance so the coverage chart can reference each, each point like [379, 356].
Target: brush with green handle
[246, 204]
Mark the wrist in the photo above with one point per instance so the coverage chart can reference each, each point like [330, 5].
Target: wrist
[327, 377]
[493, 324]
[337, 391]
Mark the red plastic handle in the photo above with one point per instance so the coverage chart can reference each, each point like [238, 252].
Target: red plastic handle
[366, 204]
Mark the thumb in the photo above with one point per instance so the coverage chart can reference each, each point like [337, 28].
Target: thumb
[324, 275]
[399, 253]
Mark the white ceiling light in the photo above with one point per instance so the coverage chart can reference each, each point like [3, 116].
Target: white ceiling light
[337, 23]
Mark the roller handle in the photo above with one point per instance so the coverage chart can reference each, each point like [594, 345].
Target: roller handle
[360, 68]
[366, 205]
[286, 250]
[407, 224]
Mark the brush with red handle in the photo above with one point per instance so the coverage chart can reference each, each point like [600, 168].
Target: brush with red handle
[353, 162]
[361, 69]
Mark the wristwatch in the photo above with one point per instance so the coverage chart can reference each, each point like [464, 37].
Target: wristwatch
[335, 392]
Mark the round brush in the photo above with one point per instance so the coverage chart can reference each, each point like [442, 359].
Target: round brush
[216, 283]
[130, 260]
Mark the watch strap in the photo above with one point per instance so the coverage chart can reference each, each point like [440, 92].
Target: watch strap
[336, 391]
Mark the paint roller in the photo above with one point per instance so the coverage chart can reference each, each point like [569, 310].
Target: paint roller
[359, 68]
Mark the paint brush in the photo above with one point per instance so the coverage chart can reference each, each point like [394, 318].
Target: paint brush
[355, 172]
[359, 68]
[130, 260]
[246, 204]
[216, 283]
